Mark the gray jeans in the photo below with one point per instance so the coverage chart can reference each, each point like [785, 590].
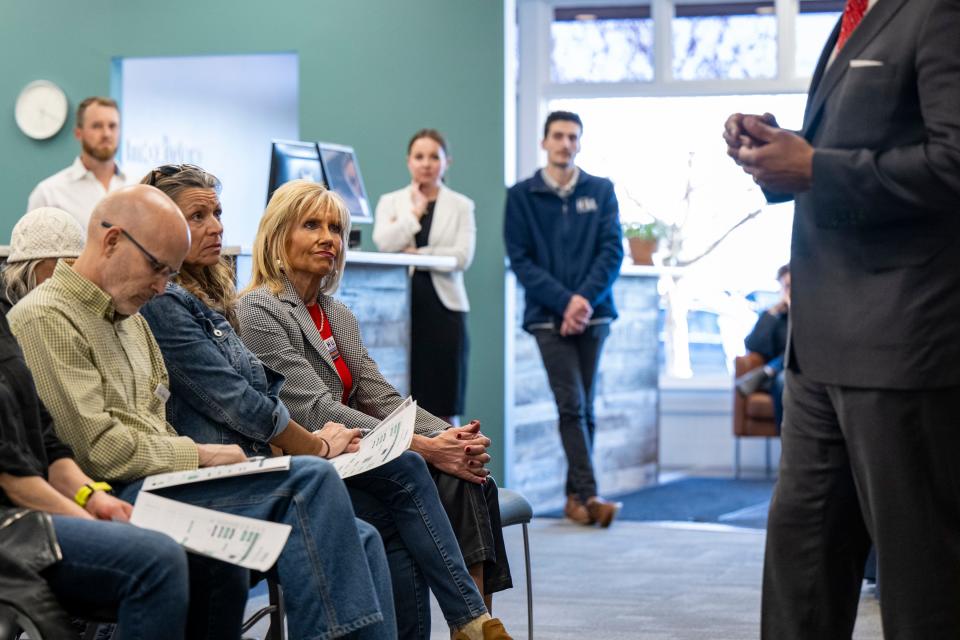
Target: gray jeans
[571, 363]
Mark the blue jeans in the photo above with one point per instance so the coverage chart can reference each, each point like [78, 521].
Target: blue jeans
[776, 392]
[107, 565]
[400, 499]
[333, 568]
[777, 384]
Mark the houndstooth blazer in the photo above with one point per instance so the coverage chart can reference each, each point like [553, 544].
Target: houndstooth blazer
[281, 332]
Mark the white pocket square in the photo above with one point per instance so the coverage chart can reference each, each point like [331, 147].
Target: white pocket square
[857, 64]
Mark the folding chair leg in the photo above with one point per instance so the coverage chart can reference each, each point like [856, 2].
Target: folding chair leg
[526, 557]
[768, 457]
[736, 458]
[277, 630]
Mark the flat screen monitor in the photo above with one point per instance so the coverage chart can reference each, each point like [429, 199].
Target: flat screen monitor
[290, 160]
[342, 172]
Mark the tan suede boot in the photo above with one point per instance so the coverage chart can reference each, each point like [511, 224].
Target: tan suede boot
[492, 629]
[603, 511]
[577, 511]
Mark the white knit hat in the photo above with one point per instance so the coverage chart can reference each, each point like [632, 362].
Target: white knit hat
[46, 232]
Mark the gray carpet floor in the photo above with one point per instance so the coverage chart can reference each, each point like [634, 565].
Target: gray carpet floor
[641, 581]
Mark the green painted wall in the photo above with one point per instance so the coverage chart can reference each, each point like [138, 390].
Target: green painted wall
[371, 73]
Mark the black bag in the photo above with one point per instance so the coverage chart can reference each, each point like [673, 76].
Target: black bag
[28, 545]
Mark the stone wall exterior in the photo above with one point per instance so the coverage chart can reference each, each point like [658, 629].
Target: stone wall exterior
[627, 403]
[379, 295]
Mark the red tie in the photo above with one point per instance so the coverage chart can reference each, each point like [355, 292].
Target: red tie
[852, 15]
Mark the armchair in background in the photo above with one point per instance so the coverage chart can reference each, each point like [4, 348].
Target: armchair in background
[752, 414]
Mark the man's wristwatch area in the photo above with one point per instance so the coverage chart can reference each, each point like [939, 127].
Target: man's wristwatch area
[83, 493]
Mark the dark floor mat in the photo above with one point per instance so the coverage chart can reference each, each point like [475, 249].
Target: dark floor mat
[739, 503]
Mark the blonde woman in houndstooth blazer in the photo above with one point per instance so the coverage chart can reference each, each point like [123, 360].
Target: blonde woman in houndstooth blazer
[290, 320]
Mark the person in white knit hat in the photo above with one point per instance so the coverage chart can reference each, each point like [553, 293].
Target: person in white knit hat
[39, 239]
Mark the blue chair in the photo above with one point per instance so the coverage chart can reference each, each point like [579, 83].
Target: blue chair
[515, 509]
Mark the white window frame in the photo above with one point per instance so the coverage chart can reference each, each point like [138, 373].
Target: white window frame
[535, 88]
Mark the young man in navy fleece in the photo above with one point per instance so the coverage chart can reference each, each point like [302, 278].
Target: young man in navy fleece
[562, 231]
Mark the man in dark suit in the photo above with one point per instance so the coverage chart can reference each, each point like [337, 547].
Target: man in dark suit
[871, 440]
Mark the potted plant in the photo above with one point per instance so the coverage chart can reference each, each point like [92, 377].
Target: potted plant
[643, 239]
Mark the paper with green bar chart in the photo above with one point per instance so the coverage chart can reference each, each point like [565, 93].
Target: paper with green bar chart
[385, 442]
[248, 542]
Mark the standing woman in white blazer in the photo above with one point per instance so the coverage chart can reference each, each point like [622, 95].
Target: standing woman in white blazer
[426, 217]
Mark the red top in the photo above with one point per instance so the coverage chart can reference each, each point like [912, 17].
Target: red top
[319, 319]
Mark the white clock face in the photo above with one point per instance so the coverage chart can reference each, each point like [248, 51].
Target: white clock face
[41, 109]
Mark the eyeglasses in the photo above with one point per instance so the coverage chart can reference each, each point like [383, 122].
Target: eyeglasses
[168, 170]
[159, 268]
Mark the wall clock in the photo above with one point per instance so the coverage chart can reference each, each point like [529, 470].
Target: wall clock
[41, 109]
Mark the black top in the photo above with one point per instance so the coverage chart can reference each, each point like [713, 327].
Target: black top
[28, 443]
[769, 335]
[422, 237]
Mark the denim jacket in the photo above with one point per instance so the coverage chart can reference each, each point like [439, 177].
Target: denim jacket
[220, 393]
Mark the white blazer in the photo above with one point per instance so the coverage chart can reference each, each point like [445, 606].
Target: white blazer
[452, 233]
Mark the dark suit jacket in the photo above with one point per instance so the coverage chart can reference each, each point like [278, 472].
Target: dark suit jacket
[875, 259]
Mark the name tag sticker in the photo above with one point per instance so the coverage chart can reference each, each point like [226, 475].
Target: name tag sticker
[332, 347]
[162, 392]
[586, 204]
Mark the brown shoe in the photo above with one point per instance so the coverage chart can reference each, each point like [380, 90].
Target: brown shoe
[577, 511]
[492, 630]
[603, 511]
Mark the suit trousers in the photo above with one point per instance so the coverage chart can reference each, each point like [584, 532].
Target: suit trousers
[862, 464]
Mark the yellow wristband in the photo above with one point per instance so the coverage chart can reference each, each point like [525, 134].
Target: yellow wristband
[84, 492]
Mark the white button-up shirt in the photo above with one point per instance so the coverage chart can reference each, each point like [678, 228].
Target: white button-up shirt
[75, 190]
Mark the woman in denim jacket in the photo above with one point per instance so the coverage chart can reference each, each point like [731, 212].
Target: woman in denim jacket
[220, 392]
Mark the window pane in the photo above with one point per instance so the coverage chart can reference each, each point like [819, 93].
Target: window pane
[597, 44]
[715, 41]
[667, 160]
[814, 24]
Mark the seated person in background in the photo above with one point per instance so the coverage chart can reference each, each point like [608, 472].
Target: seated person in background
[220, 392]
[103, 564]
[101, 375]
[39, 238]
[769, 339]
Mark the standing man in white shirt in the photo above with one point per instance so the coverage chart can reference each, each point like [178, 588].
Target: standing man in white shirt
[78, 188]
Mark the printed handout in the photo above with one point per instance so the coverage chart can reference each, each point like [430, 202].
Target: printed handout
[248, 542]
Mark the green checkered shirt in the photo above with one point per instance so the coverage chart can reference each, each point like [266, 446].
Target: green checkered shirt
[100, 375]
